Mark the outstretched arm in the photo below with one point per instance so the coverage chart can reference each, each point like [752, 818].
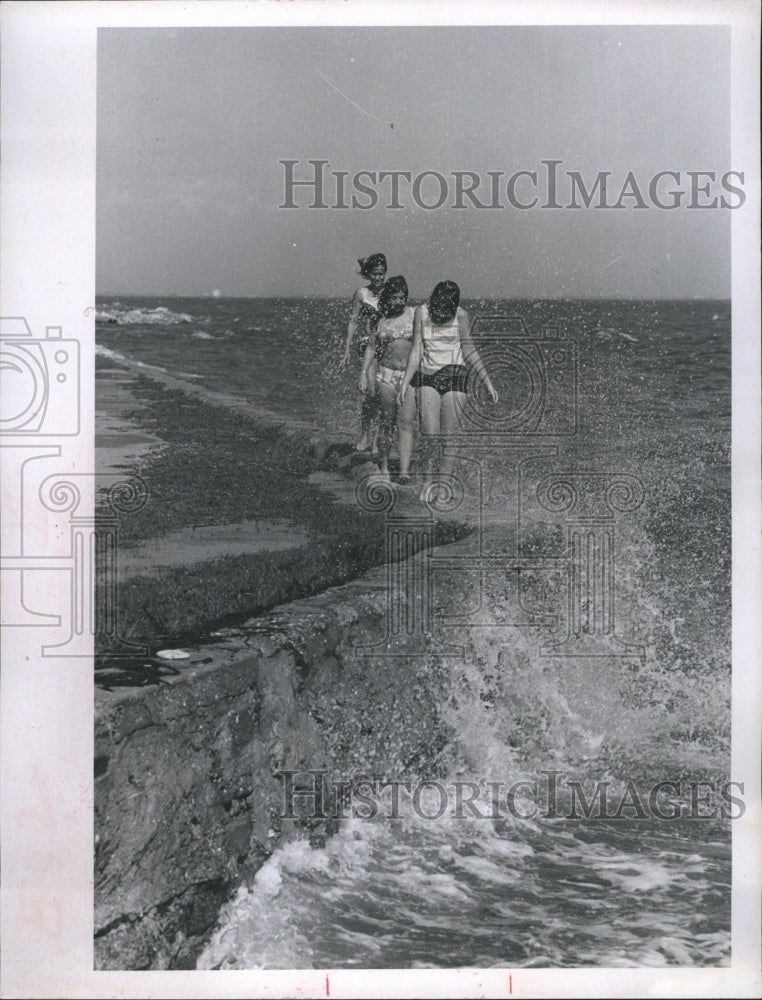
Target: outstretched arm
[414, 358]
[471, 355]
[354, 317]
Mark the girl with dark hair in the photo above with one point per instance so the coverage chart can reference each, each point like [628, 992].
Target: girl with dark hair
[447, 357]
[364, 312]
[390, 342]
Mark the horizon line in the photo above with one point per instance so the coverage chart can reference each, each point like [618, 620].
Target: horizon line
[467, 298]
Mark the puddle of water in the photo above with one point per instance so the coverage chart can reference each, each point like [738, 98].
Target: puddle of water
[209, 541]
[119, 442]
[123, 440]
[117, 450]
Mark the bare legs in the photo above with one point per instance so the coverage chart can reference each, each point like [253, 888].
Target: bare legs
[369, 415]
[407, 418]
[440, 415]
[404, 417]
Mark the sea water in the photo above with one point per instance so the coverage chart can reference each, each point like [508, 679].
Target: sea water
[651, 404]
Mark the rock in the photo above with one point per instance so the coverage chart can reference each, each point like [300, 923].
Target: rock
[359, 470]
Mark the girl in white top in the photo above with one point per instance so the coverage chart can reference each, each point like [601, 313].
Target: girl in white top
[364, 311]
[440, 363]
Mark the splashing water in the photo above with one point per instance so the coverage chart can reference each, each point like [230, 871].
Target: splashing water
[502, 890]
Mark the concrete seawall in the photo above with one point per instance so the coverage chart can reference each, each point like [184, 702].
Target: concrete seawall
[188, 800]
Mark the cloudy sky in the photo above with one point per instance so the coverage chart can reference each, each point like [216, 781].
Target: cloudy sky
[192, 124]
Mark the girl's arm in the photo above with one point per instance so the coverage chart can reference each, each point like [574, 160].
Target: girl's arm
[414, 358]
[367, 361]
[471, 355]
[352, 326]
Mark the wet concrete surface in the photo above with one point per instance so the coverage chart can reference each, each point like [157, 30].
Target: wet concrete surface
[208, 541]
[121, 445]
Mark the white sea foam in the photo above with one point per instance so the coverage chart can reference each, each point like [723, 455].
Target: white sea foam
[108, 352]
[123, 316]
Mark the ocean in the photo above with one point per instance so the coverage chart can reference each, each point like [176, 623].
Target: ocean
[623, 411]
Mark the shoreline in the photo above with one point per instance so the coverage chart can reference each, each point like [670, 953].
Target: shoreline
[201, 740]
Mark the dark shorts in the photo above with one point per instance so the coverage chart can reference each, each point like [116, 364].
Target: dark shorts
[451, 378]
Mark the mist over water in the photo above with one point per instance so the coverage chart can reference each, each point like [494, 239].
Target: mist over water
[652, 406]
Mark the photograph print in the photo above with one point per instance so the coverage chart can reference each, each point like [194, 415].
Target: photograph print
[412, 555]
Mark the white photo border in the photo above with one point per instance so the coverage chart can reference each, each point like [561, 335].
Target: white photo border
[48, 243]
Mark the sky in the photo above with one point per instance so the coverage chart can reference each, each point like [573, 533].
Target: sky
[192, 125]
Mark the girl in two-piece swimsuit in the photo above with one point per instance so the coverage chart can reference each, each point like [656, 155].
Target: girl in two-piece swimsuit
[363, 314]
[443, 349]
[391, 341]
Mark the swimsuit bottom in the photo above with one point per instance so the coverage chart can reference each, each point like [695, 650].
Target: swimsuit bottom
[389, 376]
[451, 378]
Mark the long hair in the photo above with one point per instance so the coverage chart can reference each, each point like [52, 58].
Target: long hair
[393, 285]
[367, 264]
[444, 302]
